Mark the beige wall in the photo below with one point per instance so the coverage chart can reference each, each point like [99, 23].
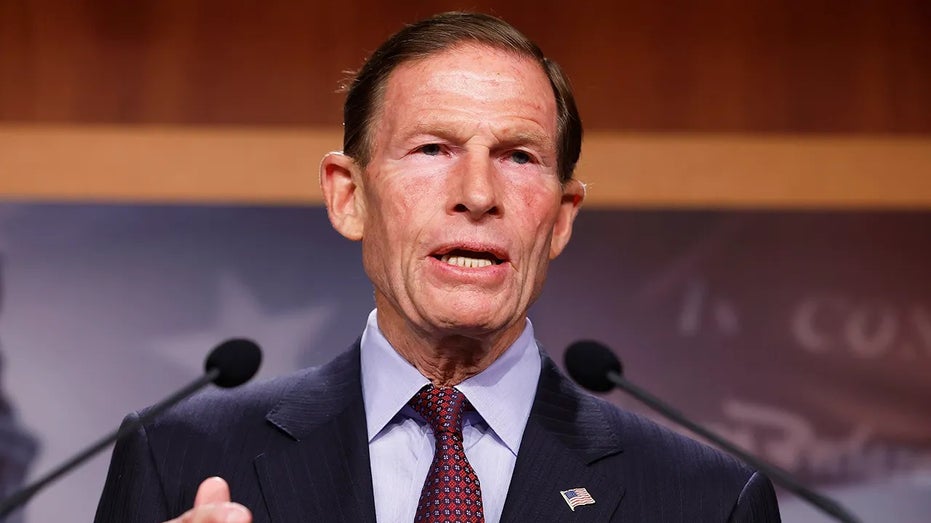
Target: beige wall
[279, 166]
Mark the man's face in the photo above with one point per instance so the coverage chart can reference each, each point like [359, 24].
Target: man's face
[461, 205]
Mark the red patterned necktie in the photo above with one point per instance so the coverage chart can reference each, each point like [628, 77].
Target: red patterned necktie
[451, 491]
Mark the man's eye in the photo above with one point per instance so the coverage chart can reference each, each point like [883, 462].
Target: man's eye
[431, 149]
[520, 157]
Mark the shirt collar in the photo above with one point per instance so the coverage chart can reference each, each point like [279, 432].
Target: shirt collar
[502, 394]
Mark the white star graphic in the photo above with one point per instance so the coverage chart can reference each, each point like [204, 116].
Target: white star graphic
[283, 337]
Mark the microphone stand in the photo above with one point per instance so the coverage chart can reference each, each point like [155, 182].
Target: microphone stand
[21, 496]
[775, 473]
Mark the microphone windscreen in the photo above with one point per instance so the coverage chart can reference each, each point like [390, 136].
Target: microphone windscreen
[589, 362]
[237, 359]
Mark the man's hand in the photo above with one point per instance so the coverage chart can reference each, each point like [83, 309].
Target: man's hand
[212, 505]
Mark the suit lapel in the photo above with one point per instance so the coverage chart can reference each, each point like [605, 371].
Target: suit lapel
[322, 472]
[566, 435]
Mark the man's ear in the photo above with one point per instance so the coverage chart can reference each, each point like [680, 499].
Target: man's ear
[340, 182]
[572, 195]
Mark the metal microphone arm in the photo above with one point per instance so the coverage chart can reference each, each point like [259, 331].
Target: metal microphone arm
[775, 473]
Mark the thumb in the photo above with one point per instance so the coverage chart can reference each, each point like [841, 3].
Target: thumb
[212, 490]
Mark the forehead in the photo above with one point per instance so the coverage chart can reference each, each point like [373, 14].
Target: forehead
[469, 81]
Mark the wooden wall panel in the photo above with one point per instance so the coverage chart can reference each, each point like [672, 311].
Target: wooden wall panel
[850, 66]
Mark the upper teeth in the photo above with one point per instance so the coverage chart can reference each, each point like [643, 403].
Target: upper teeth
[463, 261]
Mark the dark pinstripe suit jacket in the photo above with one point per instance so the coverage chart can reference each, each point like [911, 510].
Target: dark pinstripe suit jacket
[295, 450]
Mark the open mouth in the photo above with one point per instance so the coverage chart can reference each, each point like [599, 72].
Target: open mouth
[469, 259]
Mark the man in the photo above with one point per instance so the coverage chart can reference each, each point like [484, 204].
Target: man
[456, 176]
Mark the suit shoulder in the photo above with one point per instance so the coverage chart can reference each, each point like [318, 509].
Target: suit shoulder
[641, 436]
[671, 468]
[246, 405]
[627, 439]
[251, 402]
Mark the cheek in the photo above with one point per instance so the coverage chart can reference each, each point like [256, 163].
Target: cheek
[416, 192]
[387, 202]
[529, 198]
[537, 192]
[396, 217]
[537, 209]
[402, 190]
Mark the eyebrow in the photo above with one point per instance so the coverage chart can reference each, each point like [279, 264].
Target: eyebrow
[452, 133]
[444, 131]
[534, 138]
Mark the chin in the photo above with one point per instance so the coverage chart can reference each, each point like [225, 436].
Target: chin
[469, 312]
[469, 323]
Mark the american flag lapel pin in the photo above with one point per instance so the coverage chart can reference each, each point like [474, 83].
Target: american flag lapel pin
[577, 497]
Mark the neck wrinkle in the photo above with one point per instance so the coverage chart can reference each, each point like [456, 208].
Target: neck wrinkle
[448, 360]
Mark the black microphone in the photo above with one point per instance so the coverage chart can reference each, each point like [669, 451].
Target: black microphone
[229, 364]
[593, 366]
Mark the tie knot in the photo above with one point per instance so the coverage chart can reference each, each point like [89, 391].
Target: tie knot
[442, 408]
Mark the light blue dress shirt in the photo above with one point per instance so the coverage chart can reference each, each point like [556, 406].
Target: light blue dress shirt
[401, 442]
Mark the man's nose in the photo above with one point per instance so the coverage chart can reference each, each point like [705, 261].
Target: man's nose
[476, 193]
